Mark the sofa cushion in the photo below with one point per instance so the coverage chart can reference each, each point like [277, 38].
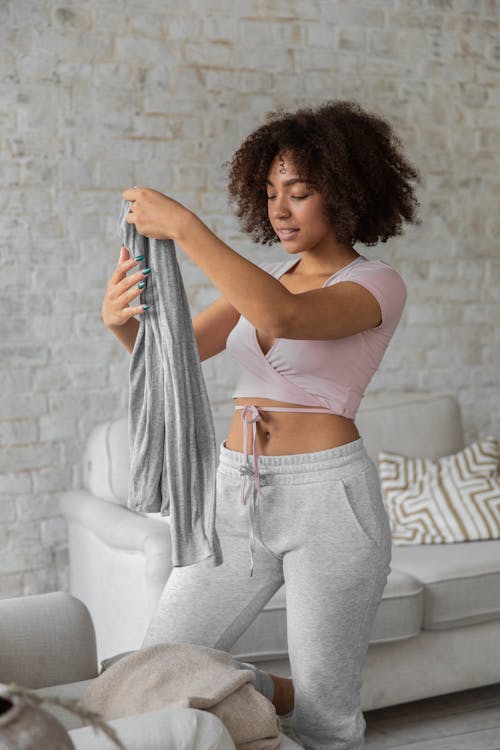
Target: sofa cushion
[173, 728]
[400, 613]
[453, 499]
[461, 581]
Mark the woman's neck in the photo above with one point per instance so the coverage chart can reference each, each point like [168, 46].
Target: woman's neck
[311, 264]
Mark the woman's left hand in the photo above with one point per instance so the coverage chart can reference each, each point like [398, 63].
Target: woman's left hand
[155, 214]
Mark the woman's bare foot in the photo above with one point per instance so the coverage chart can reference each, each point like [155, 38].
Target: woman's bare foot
[284, 694]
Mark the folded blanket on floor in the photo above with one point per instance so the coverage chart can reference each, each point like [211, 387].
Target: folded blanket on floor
[185, 675]
[173, 455]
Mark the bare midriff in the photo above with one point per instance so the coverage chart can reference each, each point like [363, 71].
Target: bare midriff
[283, 433]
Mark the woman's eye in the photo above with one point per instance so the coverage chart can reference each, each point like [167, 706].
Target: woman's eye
[294, 197]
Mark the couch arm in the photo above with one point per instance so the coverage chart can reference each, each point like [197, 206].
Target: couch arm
[46, 639]
[116, 525]
[119, 564]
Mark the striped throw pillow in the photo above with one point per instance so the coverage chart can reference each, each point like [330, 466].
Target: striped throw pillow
[453, 499]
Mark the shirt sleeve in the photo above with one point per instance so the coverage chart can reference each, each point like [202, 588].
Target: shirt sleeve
[388, 288]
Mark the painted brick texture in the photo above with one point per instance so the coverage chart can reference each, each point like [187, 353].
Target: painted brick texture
[103, 94]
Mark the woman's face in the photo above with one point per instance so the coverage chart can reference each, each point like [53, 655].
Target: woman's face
[295, 210]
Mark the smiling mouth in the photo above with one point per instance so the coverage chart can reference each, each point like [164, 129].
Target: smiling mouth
[286, 233]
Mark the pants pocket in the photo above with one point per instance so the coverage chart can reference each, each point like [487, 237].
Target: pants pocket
[364, 500]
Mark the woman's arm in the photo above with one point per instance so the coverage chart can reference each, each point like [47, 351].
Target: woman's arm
[127, 333]
[212, 327]
[254, 293]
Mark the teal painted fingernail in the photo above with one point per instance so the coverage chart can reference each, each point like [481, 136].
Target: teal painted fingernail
[141, 284]
[140, 257]
[146, 271]
[146, 307]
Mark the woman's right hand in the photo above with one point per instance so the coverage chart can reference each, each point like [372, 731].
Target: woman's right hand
[121, 290]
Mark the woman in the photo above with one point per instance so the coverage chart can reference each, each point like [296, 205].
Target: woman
[309, 332]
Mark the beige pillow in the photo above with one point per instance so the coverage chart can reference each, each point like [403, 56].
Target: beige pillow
[453, 499]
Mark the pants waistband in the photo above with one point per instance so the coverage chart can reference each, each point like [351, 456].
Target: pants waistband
[342, 455]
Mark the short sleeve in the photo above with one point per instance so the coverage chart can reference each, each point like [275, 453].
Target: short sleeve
[388, 288]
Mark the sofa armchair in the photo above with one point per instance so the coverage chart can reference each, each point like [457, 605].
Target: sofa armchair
[439, 619]
[47, 643]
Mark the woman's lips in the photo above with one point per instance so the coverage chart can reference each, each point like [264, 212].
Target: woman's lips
[286, 234]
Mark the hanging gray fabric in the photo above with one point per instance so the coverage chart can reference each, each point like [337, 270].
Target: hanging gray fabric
[173, 457]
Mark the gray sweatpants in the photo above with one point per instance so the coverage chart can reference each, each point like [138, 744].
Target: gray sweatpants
[320, 528]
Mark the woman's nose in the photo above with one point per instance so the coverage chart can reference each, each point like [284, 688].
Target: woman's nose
[280, 209]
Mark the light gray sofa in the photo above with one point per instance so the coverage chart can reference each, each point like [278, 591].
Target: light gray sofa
[47, 643]
[439, 620]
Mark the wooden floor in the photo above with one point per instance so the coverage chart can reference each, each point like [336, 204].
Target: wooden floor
[469, 720]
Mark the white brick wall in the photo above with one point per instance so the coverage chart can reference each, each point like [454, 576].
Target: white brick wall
[100, 95]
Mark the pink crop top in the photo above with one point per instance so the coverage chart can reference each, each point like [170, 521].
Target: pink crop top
[334, 373]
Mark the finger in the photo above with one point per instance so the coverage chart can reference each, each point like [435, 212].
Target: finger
[132, 293]
[137, 310]
[125, 264]
[130, 194]
[123, 284]
[120, 273]
[124, 256]
[126, 260]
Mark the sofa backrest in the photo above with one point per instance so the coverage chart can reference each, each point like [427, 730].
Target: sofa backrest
[412, 423]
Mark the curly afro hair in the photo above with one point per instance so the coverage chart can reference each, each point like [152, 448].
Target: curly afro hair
[350, 156]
